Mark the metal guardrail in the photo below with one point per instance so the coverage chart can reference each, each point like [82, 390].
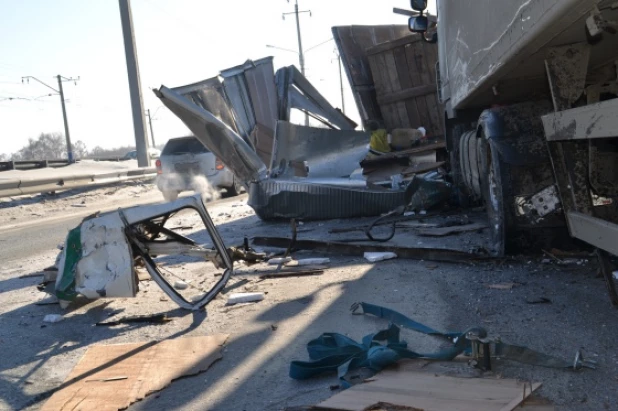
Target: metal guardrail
[20, 186]
[35, 164]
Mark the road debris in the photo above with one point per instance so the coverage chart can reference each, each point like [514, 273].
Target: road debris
[234, 286]
[539, 300]
[239, 298]
[418, 253]
[374, 257]
[278, 261]
[503, 286]
[308, 261]
[149, 367]
[180, 285]
[98, 257]
[53, 318]
[444, 231]
[293, 272]
[149, 318]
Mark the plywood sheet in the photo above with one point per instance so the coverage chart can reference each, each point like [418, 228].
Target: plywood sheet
[431, 392]
[111, 377]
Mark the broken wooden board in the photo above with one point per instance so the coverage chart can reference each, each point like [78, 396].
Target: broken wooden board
[95, 383]
[431, 392]
[444, 231]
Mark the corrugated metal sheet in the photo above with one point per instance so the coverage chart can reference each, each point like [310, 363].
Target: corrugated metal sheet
[285, 199]
[251, 91]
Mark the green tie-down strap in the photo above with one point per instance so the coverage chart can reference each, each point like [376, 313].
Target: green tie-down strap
[335, 352]
[65, 289]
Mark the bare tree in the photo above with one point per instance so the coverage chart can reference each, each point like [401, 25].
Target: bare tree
[79, 149]
[46, 146]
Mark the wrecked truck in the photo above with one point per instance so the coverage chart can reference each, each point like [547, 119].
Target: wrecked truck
[530, 89]
[290, 171]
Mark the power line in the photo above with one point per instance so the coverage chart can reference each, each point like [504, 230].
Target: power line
[60, 92]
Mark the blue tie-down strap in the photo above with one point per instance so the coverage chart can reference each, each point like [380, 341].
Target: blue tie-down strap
[332, 352]
[335, 352]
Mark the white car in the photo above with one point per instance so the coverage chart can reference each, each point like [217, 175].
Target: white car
[183, 160]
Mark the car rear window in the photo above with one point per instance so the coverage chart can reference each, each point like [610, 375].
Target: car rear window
[184, 145]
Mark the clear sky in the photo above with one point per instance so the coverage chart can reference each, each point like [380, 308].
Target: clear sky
[178, 42]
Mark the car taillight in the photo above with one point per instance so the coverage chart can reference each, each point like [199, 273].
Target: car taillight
[158, 165]
[219, 164]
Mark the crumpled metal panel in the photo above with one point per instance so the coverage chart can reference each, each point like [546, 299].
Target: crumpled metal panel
[251, 92]
[209, 95]
[295, 91]
[217, 136]
[301, 199]
[352, 42]
[327, 153]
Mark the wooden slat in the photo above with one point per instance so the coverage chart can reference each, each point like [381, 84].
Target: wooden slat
[432, 392]
[380, 48]
[405, 94]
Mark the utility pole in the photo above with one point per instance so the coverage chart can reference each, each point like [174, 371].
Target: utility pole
[301, 55]
[137, 105]
[151, 132]
[60, 92]
[66, 122]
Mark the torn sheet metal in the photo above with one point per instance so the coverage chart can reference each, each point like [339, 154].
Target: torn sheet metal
[295, 91]
[209, 94]
[251, 93]
[299, 198]
[323, 152]
[218, 137]
[98, 257]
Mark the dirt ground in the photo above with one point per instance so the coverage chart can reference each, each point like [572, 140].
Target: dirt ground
[266, 336]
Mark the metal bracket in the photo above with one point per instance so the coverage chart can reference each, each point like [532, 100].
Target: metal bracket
[539, 205]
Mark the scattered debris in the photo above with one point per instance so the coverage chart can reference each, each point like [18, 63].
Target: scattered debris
[503, 286]
[373, 257]
[149, 367]
[308, 261]
[238, 298]
[98, 257]
[274, 327]
[415, 253]
[281, 260]
[291, 272]
[149, 318]
[53, 318]
[180, 285]
[444, 231]
[52, 299]
[234, 286]
[540, 300]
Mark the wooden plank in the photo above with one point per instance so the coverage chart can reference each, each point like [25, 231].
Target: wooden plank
[393, 76]
[380, 48]
[406, 94]
[383, 83]
[434, 111]
[432, 392]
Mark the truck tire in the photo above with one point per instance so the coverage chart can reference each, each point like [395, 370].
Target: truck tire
[234, 189]
[496, 192]
[455, 133]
